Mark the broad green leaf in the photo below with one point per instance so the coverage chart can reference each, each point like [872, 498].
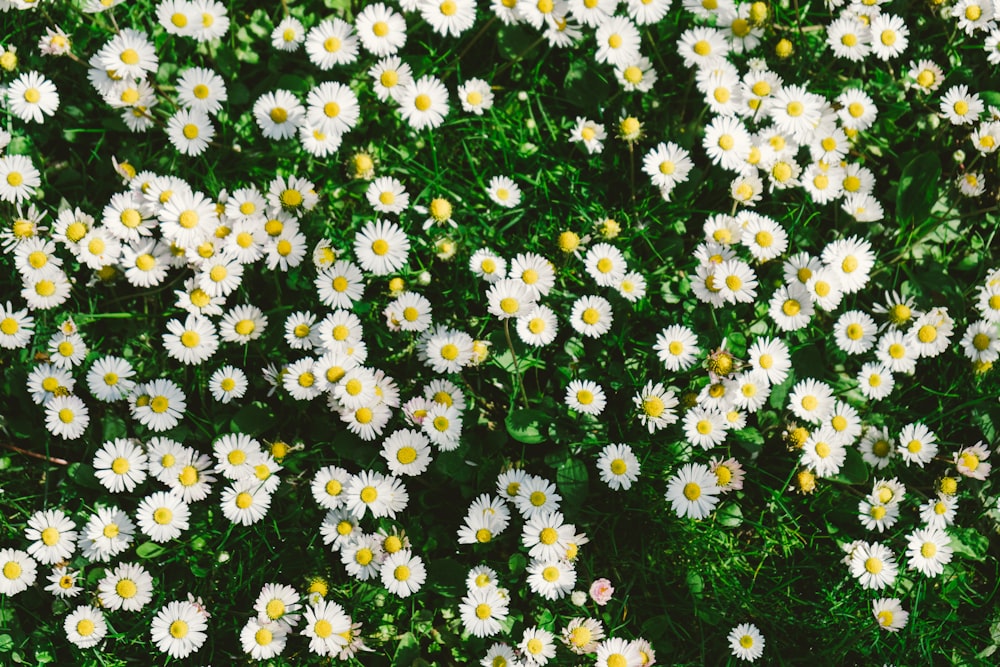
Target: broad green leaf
[149, 550]
[527, 426]
[918, 189]
[517, 563]
[729, 515]
[114, 427]
[83, 474]
[407, 650]
[253, 420]
[750, 438]
[854, 470]
[6, 643]
[516, 42]
[696, 584]
[572, 481]
[969, 542]
[584, 86]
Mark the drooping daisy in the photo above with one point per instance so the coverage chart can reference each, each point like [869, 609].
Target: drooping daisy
[590, 133]
[889, 614]
[970, 461]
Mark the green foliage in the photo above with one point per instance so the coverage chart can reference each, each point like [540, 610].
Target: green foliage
[770, 552]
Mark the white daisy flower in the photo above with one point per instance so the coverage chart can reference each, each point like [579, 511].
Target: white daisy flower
[693, 491]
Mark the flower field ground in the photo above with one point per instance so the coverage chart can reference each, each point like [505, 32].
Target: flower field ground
[510, 333]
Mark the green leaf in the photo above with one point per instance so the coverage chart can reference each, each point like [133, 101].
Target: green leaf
[695, 583]
[149, 550]
[515, 42]
[969, 542]
[114, 427]
[750, 438]
[527, 426]
[517, 563]
[729, 515]
[407, 651]
[572, 480]
[854, 470]
[6, 643]
[83, 474]
[918, 188]
[584, 86]
[253, 420]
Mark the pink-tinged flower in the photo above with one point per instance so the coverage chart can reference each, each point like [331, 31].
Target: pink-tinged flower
[601, 591]
[971, 461]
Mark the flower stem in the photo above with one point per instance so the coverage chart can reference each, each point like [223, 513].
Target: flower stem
[517, 368]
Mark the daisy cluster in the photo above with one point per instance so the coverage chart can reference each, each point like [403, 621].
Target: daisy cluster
[364, 340]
